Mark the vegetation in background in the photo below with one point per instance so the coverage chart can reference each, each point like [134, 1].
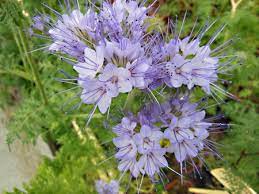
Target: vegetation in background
[28, 83]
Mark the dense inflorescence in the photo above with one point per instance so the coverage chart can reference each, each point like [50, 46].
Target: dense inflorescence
[144, 141]
[114, 50]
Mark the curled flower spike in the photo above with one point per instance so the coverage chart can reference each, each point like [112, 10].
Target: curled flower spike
[191, 65]
[112, 52]
[188, 62]
[105, 47]
[178, 128]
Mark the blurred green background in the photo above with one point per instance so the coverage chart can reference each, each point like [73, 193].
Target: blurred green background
[28, 90]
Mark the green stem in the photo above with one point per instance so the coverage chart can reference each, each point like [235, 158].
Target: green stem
[51, 142]
[34, 70]
[27, 68]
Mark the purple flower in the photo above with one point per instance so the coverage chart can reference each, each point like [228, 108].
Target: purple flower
[107, 188]
[138, 69]
[74, 32]
[132, 165]
[115, 11]
[202, 66]
[176, 126]
[118, 77]
[89, 25]
[152, 155]
[127, 147]
[93, 63]
[73, 48]
[148, 139]
[184, 149]
[187, 62]
[182, 106]
[98, 93]
[123, 19]
[123, 52]
[144, 145]
[119, 66]
[191, 66]
[135, 12]
[39, 22]
[153, 161]
[131, 55]
[186, 131]
[113, 51]
[126, 127]
[178, 71]
[153, 113]
[179, 130]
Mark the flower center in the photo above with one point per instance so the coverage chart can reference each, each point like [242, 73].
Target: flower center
[146, 143]
[178, 70]
[146, 140]
[177, 129]
[114, 79]
[165, 143]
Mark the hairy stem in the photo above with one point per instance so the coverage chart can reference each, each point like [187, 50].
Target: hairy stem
[26, 67]
[36, 76]
[34, 70]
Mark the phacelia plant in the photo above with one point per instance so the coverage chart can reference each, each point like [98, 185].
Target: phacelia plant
[115, 48]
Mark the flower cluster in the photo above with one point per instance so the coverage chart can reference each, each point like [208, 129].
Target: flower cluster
[114, 48]
[107, 188]
[189, 64]
[112, 51]
[106, 49]
[176, 127]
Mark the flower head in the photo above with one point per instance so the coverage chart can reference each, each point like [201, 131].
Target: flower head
[190, 64]
[175, 127]
[187, 62]
[105, 48]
